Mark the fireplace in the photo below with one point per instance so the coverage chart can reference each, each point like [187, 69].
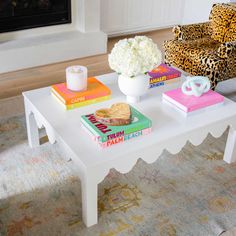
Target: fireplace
[26, 14]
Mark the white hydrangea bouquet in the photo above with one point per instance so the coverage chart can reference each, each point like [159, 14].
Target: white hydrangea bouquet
[132, 58]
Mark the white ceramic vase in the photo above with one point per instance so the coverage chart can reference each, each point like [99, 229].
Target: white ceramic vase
[134, 87]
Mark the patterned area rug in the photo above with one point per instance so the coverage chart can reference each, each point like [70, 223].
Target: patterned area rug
[191, 193]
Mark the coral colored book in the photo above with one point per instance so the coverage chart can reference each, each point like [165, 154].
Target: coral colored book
[112, 134]
[190, 103]
[162, 73]
[95, 90]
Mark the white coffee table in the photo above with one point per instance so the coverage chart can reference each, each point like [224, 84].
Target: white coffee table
[171, 131]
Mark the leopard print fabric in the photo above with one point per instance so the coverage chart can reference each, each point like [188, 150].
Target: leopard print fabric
[226, 49]
[192, 56]
[193, 31]
[223, 22]
[197, 53]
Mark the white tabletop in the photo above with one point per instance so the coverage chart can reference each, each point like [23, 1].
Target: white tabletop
[168, 124]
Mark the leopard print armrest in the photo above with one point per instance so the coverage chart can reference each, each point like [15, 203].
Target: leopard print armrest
[226, 49]
[192, 31]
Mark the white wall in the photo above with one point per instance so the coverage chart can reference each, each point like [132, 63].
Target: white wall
[129, 16]
[196, 11]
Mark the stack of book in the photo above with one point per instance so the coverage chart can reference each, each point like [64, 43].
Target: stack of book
[106, 136]
[163, 75]
[96, 92]
[189, 104]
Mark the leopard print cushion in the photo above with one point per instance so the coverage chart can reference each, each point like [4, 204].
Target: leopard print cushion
[205, 57]
[230, 35]
[192, 31]
[223, 22]
[192, 56]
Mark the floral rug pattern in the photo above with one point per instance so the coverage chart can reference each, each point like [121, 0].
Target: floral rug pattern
[191, 193]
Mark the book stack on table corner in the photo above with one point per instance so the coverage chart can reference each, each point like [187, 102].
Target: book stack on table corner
[106, 136]
[189, 104]
[162, 75]
[96, 92]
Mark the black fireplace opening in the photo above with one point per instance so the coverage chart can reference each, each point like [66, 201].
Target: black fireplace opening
[25, 14]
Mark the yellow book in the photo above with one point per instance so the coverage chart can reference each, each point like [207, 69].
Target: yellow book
[81, 104]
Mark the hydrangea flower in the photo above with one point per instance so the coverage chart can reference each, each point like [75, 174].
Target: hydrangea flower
[134, 56]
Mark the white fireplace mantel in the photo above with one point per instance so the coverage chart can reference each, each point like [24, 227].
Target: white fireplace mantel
[51, 44]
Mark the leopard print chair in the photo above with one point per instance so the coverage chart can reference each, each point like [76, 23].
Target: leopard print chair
[207, 49]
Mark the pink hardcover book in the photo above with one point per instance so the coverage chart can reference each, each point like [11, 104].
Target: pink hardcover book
[191, 103]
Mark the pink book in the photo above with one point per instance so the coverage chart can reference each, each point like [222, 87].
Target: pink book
[191, 103]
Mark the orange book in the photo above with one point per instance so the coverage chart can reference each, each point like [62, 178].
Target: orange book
[95, 90]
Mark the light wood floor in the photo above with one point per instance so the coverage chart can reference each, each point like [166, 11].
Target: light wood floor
[14, 83]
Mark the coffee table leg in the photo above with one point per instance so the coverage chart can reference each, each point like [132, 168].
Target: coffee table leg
[230, 149]
[89, 201]
[32, 128]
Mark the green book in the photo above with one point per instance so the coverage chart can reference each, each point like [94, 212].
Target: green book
[102, 133]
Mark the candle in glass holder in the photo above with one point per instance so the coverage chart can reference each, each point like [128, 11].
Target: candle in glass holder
[76, 78]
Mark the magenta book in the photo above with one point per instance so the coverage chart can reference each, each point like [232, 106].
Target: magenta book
[165, 72]
[191, 103]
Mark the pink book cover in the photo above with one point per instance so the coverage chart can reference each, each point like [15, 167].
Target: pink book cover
[164, 70]
[189, 103]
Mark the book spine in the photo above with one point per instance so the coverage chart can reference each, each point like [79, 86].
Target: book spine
[124, 138]
[141, 126]
[118, 139]
[122, 135]
[144, 125]
[165, 77]
[81, 104]
[88, 102]
[158, 84]
[192, 112]
[71, 101]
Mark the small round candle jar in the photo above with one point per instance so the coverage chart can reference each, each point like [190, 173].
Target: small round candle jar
[76, 78]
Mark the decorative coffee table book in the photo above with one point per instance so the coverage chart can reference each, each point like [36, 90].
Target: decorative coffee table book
[106, 136]
[163, 74]
[96, 92]
[190, 103]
